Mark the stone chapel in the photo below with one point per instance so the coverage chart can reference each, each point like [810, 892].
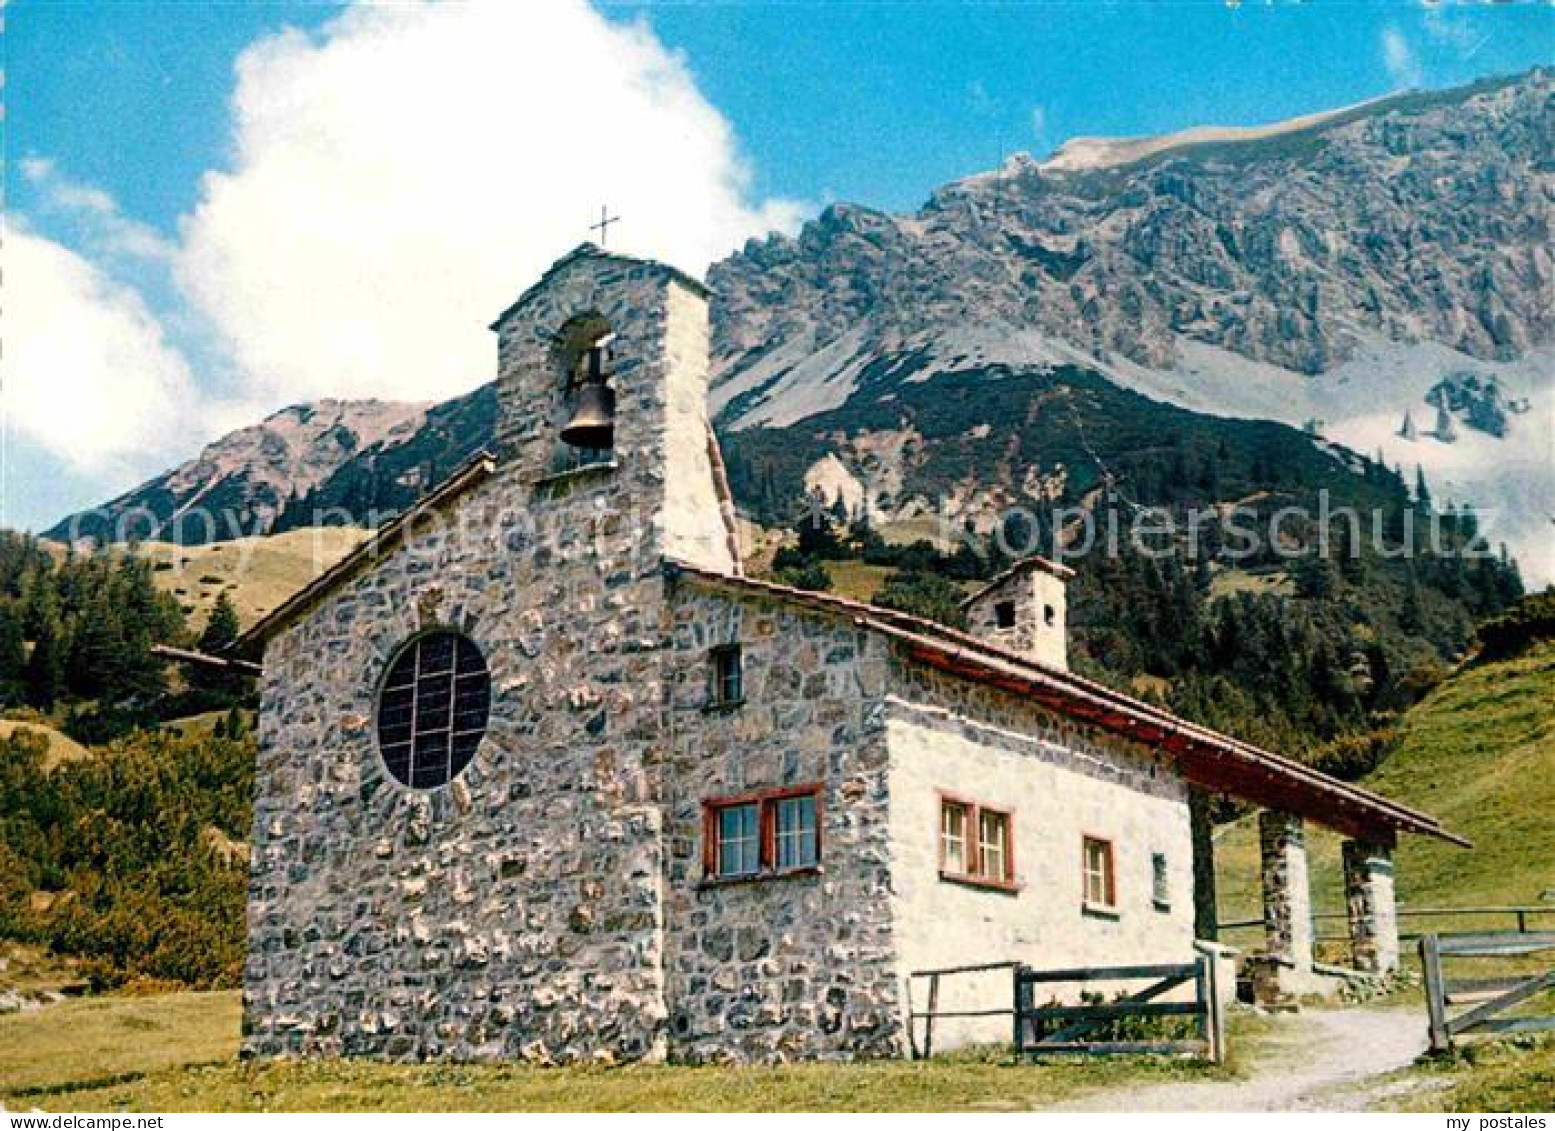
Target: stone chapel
[544, 774]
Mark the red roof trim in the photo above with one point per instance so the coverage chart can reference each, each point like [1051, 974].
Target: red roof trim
[1209, 758]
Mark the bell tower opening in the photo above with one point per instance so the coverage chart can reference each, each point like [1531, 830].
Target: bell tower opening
[586, 408]
[602, 362]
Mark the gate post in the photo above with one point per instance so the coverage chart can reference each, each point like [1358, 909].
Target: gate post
[1015, 990]
[1435, 993]
[1287, 896]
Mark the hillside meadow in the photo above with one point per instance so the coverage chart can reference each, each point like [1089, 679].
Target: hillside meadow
[1478, 752]
[178, 1052]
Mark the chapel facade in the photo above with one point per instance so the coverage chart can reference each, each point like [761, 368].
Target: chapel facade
[544, 775]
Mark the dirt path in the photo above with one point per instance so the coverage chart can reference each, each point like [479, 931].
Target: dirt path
[1318, 1060]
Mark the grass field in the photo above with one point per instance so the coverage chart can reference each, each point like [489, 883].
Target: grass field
[256, 573]
[101, 1039]
[178, 1053]
[1495, 1076]
[1478, 752]
[857, 581]
[62, 748]
[1227, 582]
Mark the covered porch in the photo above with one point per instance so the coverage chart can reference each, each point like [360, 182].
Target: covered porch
[1277, 889]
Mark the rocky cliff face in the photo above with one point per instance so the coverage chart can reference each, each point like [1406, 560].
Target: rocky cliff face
[1420, 217]
[239, 484]
[1328, 272]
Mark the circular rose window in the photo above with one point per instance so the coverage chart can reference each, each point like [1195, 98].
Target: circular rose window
[432, 709]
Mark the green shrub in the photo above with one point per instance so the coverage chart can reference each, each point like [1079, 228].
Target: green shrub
[1530, 620]
[127, 849]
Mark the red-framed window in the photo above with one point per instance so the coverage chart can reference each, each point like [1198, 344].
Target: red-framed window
[771, 832]
[1098, 872]
[976, 842]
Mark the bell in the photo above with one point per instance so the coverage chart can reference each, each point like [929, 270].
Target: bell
[593, 422]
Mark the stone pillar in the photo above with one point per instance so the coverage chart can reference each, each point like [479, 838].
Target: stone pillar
[1287, 896]
[1368, 893]
[1206, 915]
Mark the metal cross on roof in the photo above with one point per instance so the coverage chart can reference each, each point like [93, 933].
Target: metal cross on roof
[605, 220]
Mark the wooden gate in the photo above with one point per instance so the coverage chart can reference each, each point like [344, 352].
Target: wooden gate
[1487, 996]
[1073, 1029]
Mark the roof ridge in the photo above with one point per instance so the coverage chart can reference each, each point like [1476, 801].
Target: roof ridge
[588, 250]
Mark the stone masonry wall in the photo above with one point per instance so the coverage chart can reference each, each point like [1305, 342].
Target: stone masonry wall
[1372, 907]
[1060, 784]
[517, 911]
[793, 966]
[512, 913]
[1287, 890]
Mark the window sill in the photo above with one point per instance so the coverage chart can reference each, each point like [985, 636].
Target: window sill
[1004, 887]
[1100, 911]
[722, 706]
[587, 471]
[707, 882]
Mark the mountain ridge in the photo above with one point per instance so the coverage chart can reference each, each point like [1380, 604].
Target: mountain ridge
[1331, 270]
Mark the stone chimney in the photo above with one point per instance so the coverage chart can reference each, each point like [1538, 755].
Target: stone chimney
[1024, 611]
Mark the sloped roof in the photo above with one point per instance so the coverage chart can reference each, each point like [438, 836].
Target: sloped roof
[387, 537]
[1025, 565]
[1207, 758]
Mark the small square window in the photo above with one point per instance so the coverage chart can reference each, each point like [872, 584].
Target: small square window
[1160, 888]
[1100, 885]
[728, 676]
[976, 844]
[763, 834]
[1004, 614]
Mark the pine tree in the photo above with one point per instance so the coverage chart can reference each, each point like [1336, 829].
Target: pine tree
[13, 647]
[46, 667]
[1446, 430]
[97, 659]
[223, 627]
[1422, 492]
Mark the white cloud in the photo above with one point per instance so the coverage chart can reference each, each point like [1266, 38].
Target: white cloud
[394, 181]
[100, 227]
[401, 176]
[88, 372]
[1403, 66]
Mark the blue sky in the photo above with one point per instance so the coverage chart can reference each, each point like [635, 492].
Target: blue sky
[246, 251]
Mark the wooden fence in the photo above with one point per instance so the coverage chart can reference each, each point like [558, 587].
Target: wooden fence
[1521, 916]
[1488, 997]
[933, 1013]
[1072, 1029]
